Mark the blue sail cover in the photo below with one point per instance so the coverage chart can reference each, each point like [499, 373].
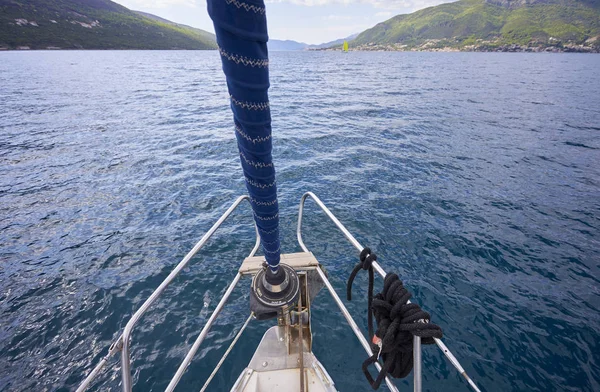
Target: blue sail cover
[241, 30]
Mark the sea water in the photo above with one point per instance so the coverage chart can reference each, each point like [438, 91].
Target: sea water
[474, 176]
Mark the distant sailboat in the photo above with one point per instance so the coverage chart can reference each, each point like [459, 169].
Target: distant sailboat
[345, 46]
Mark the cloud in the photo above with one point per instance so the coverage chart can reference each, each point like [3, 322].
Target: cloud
[347, 29]
[337, 17]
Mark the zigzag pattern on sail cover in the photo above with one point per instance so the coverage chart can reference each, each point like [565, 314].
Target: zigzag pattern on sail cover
[274, 251]
[258, 165]
[266, 218]
[236, 58]
[246, 6]
[272, 231]
[270, 243]
[259, 185]
[262, 203]
[253, 140]
[250, 105]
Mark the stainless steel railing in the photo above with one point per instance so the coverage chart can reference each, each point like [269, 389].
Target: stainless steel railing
[380, 271]
[122, 343]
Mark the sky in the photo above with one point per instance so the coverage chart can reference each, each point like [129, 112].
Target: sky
[308, 21]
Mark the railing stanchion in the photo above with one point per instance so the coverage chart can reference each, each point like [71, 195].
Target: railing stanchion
[190, 355]
[125, 337]
[220, 363]
[352, 323]
[417, 363]
[376, 267]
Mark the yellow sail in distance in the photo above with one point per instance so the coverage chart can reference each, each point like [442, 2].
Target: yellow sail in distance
[345, 46]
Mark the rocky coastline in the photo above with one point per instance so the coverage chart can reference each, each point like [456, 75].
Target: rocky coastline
[591, 45]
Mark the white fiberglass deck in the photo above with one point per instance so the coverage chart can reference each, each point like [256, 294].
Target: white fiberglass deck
[272, 368]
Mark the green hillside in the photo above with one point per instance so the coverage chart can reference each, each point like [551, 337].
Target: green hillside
[91, 24]
[210, 37]
[486, 25]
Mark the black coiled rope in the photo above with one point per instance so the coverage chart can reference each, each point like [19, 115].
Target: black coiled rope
[397, 323]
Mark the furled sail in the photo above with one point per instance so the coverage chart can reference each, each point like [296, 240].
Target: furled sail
[241, 30]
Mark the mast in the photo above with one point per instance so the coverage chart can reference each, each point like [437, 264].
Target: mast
[241, 31]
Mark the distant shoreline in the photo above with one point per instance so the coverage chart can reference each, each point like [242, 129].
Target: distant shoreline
[442, 50]
[507, 48]
[57, 49]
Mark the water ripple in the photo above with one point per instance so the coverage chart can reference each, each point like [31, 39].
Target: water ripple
[479, 185]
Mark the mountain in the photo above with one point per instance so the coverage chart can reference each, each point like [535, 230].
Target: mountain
[277, 45]
[333, 43]
[491, 25]
[205, 34]
[91, 24]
